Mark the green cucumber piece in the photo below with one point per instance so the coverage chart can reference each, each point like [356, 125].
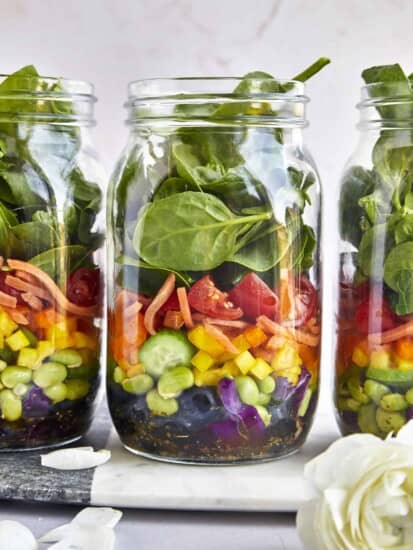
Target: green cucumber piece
[392, 377]
[165, 350]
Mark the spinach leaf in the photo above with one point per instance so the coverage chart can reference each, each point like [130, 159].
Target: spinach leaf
[190, 232]
[189, 166]
[35, 237]
[151, 277]
[60, 261]
[398, 275]
[172, 186]
[403, 231]
[374, 246]
[7, 220]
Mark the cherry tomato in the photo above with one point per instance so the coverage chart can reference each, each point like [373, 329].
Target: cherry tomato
[206, 298]
[171, 304]
[255, 297]
[305, 302]
[9, 290]
[374, 313]
[83, 288]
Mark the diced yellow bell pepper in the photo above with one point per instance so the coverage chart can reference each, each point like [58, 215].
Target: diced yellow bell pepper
[292, 374]
[203, 361]
[17, 341]
[286, 357]
[360, 357]
[245, 361]
[230, 369]
[7, 325]
[210, 377]
[82, 340]
[255, 336]
[241, 343]
[380, 359]
[134, 370]
[403, 364]
[45, 348]
[27, 358]
[199, 337]
[261, 369]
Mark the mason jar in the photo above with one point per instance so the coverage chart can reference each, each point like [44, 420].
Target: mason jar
[374, 354]
[50, 264]
[214, 272]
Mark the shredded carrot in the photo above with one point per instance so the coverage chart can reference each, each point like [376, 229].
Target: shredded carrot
[19, 315]
[1, 262]
[34, 302]
[312, 340]
[265, 354]
[23, 286]
[162, 296]
[184, 306]
[53, 289]
[132, 310]
[276, 342]
[391, 335]
[25, 276]
[300, 336]
[221, 338]
[47, 317]
[221, 322]
[173, 319]
[7, 300]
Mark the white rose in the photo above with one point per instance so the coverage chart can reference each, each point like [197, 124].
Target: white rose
[365, 495]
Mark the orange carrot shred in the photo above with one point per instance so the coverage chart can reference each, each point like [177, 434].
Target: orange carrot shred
[184, 307]
[162, 296]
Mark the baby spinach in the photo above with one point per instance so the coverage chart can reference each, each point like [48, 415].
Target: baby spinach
[190, 231]
[398, 275]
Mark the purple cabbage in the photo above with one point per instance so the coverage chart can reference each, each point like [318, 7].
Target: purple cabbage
[227, 430]
[36, 403]
[409, 414]
[243, 417]
[285, 391]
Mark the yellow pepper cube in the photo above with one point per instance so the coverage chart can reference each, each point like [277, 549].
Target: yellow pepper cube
[203, 361]
[27, 358]
[241, 343]
[205, 342]
[292, 374]
[45, 348]
[134, 370]
[360, 358]
[1, 341]
[261, 369]
[380, 359]
[245, 361]
[230, 369]
[210, 377]
[82, 340]
[59, 336]
[7, 325]
[403, 364]
[17, 341]
[255, 336]
[286, 357]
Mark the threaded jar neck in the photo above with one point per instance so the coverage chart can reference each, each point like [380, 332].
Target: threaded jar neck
[217, 101]
[38, 99]
[386, 105]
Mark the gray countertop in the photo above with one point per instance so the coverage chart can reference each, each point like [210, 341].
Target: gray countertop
[153, 530]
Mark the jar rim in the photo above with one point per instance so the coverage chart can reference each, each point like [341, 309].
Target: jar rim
[163, 87]
[69, 85]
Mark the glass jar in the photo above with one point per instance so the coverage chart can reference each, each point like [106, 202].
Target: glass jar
[214, 279]
[374, 356]
[50, 264]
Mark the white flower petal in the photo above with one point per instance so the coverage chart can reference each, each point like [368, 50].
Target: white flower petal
[87, 538]
[306, 526]
[405, 434]
[99, 517]
[75, 459]
[16, 536]
[57, 534]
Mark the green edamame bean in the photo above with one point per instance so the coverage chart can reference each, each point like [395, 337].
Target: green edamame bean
[348, 404]
[21, 389]
[375, 391]
[83, 371]
[3, 365]
[77, 389]
[139, 384]
[57, 392]
[174, 381]
[264, 399]
[409, 396]
[356, 390]
[68, 357]
[11, 376]
[247, 390]
[264, 414]
[366, 418]
[160, 406]
[118, 375]
[393, 402]
[10, 406]
[49, 374]
[267, 385]
[390, 421]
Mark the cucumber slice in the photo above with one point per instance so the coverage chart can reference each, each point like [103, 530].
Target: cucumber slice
[392, 377]
[164, 350]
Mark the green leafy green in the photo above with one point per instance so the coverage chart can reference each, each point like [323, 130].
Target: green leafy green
[398, 275]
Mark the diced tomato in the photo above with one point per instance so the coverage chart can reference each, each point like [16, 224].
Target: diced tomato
[374, 314]
[304, 304]
[206, 298]
[255, 297]
[171, 304]
[83, 288]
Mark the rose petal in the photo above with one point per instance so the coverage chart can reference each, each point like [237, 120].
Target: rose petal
[16, 536]
[87, 538]
[75, 459]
